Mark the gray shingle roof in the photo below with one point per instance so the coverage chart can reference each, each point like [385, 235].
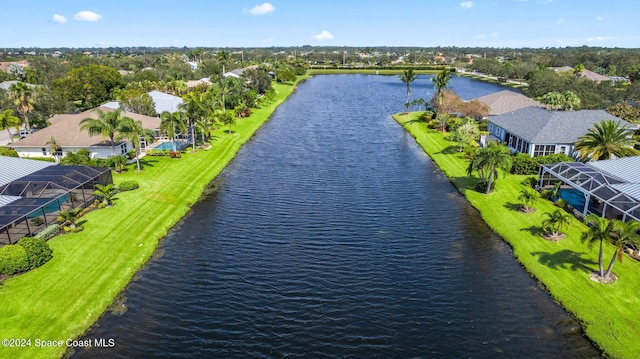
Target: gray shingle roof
[538, 125]
[506, 101]
[15, 167]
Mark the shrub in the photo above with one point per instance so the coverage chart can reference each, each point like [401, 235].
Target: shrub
[554, 158]
[128, 185]
[523, 164]
[37, 250]
[13, 259]
[6, 151]
[37, 221]
[49, 232]
[530, 182]
[159, 153]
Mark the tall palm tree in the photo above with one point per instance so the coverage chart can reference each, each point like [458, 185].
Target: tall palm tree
[488, 160]
[134, 131]
[22, 99]
[194, 108]
[600, 230]
[109, 124]
[8, 120]
[623, 233]
[440, 82]
[555, 221]
[54, 148]
[608, 139]
[171, 123]
[408, 76]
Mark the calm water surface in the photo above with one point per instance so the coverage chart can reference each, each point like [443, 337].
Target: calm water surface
[333, 235]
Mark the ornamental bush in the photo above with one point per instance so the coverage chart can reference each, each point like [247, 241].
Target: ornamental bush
[13, 259]
[128, 185]
[37, 250]
[523, 164]
[48, 233]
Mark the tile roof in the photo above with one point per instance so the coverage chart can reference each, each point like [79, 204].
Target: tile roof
[538, 125]
[506, 101]
[66, 130]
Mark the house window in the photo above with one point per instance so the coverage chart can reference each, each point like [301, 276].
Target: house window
[123, 148]
[44, 151]
[543, 150]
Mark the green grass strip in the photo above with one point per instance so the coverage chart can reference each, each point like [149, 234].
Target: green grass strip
[63, 298]
[609, 313]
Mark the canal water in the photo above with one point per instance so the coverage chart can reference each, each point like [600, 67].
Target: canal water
[333, 235]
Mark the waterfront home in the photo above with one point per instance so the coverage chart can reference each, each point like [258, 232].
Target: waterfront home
[506, 101]
[539, 132]
[65, 129]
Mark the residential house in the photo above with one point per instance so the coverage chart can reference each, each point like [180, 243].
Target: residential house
[589, 75]
[65, 129]
[162, 102]
[506, 101]
[538, 132]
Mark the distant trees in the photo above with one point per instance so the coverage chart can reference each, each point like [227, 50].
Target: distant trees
[567, 100]
[91, 85]
[136, 100]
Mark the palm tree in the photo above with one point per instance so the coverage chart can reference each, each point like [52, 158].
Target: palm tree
[193, 107]
[54, 148]
[105, 193]
[8, 120]
[529, 196]
[623, 233]
[408, 76]
[21, 94]
[440, 82]
[171, 123]
[109, 124]
[555, 221]
[228, 118]
[608, 139]
[69, 218]
[134, 131]
[600, 230]
[488, 160]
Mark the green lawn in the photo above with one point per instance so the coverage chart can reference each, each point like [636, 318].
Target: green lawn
[609, 313]
[63, 298]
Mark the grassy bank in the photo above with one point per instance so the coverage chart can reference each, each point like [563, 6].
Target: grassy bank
[608, 312]
[63, 298]
[493, 80]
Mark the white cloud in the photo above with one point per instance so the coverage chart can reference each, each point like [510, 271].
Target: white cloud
[324, 35]
[599, 18]
[261, 9]
[560, 21]
[89, 16]
[599, 38]
[466, 4]
[59, 19]
[268, 40]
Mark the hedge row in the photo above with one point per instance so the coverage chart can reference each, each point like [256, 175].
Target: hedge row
[523, 164]
[28, 253]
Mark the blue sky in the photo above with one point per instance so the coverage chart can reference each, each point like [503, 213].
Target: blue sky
[229, 23]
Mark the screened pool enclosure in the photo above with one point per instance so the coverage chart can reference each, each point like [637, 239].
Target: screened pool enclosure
[610, 188]
[31, 203]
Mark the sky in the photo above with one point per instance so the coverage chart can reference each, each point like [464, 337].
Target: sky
[245, 23]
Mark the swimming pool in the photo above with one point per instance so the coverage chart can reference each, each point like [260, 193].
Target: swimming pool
[169, 146]
[575, 198]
